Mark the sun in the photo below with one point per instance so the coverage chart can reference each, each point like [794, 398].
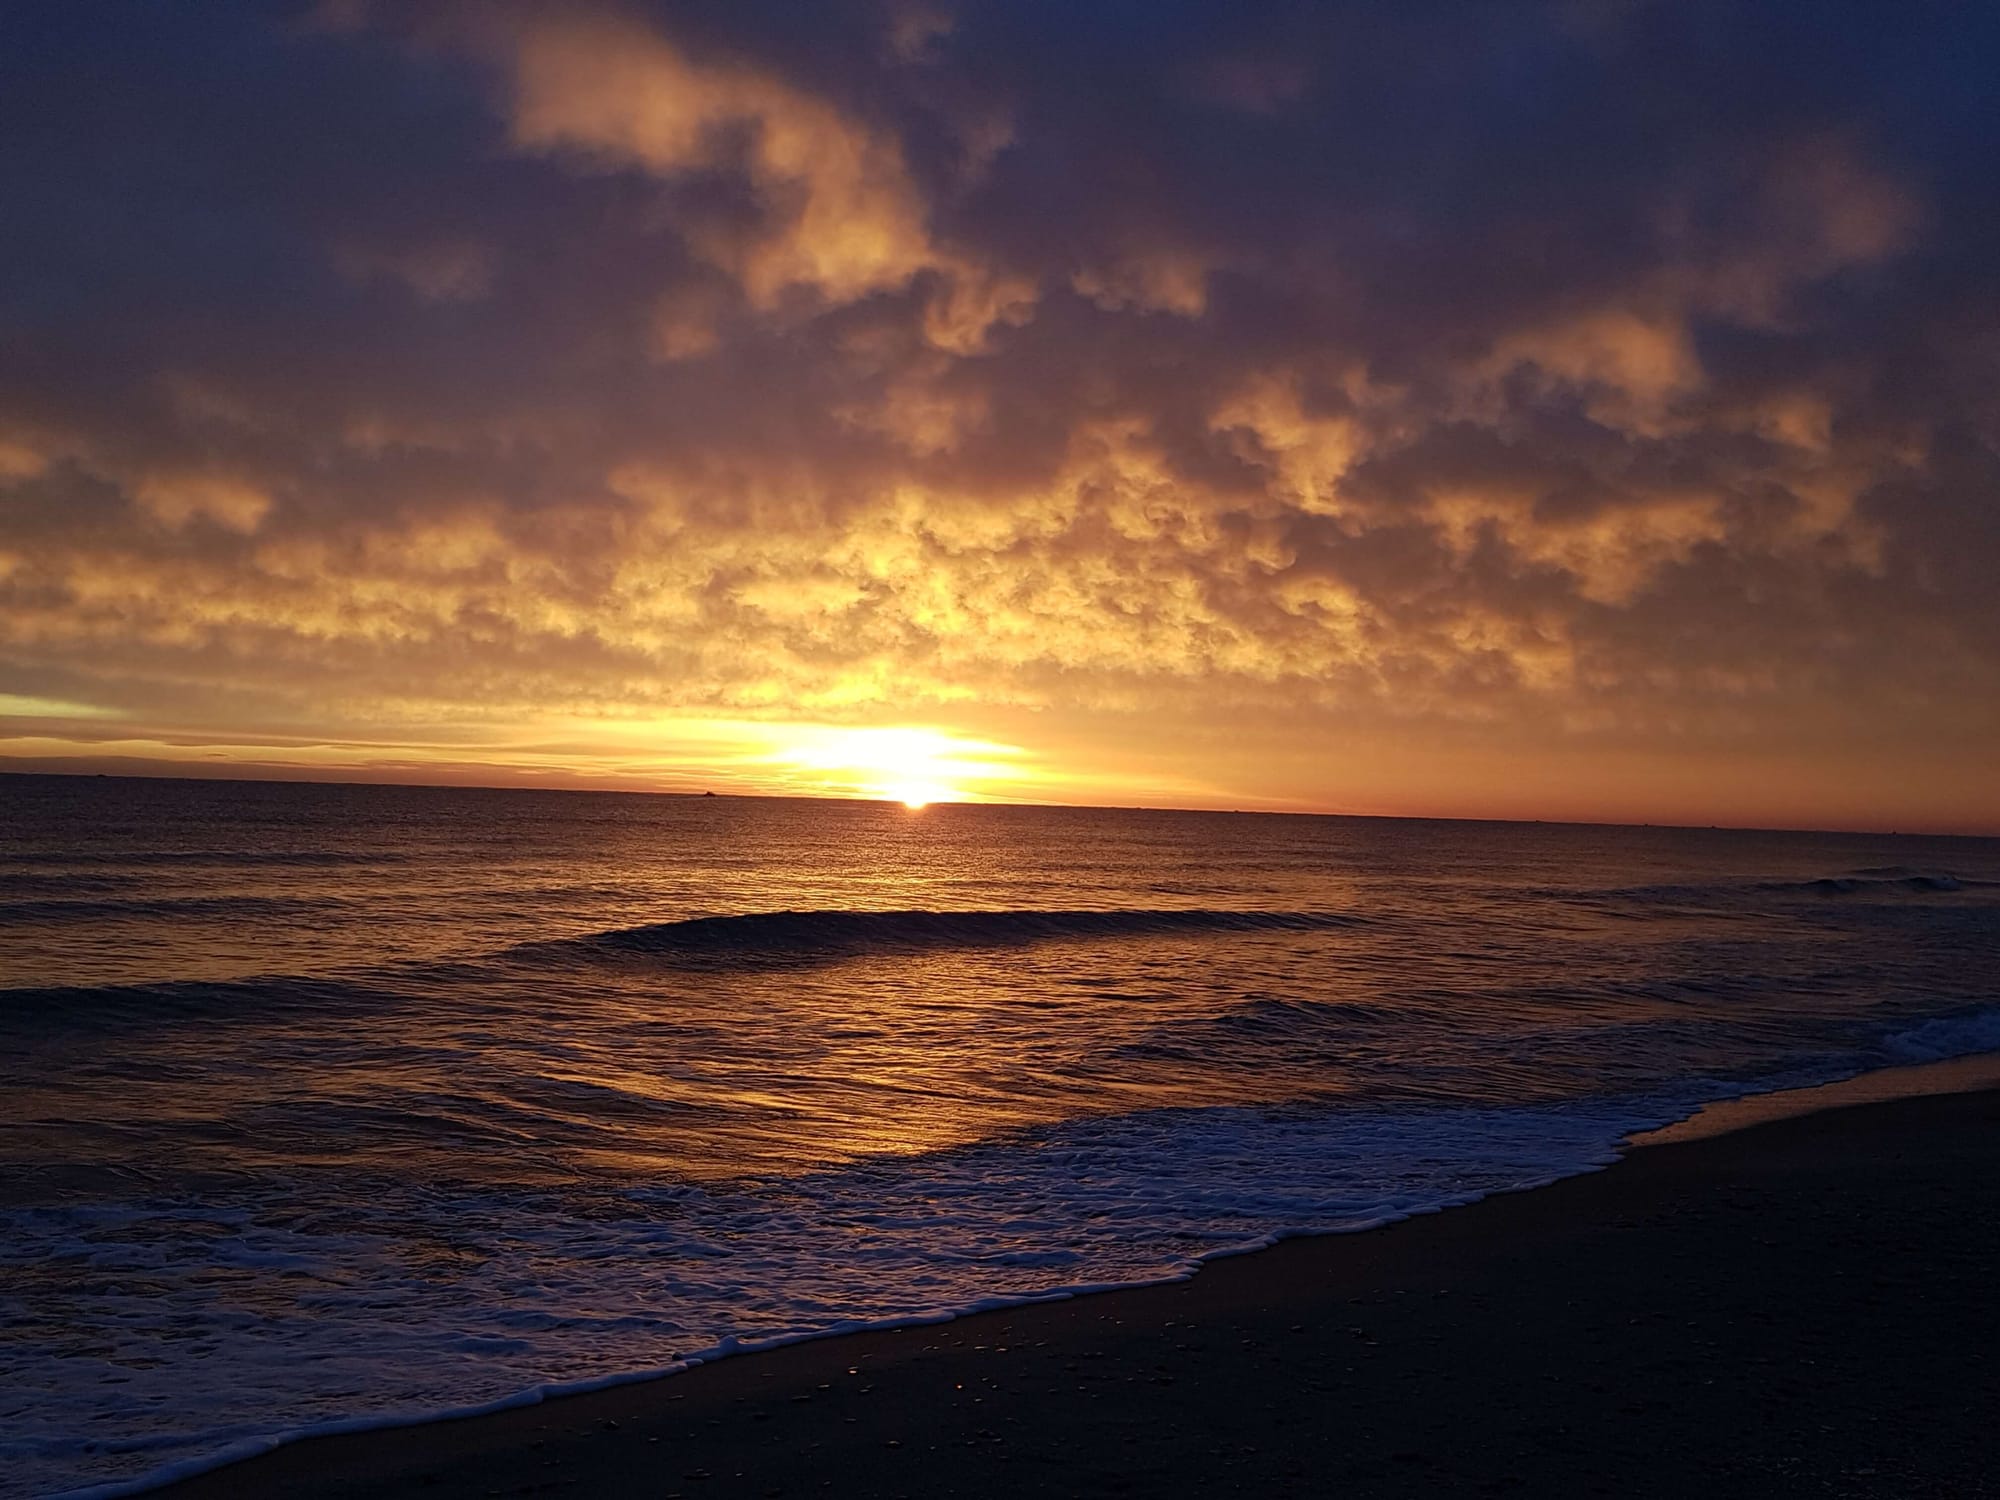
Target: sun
[912, 766]
[916, 767]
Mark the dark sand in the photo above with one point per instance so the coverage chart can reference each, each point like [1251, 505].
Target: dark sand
[1804, 1308]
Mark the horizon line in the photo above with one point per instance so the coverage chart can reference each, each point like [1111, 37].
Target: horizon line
[1262, 812]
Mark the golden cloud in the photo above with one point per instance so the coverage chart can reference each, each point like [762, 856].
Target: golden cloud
[842, 217]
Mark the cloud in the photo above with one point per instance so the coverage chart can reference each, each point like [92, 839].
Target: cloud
[834, 212]
[1371, 376]
[441, 271]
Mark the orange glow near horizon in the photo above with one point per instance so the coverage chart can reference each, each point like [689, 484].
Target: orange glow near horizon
[915, 767]
[1232, 769]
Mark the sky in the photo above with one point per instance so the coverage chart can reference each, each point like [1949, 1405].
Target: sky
[1584, 409]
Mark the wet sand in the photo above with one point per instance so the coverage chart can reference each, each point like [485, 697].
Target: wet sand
[1806, 1307]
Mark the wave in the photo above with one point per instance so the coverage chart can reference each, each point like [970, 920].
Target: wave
[1946, 1037]
[1080, 1207]
[1085, 1206]
[819, 936]
[220, 858]
[84, 909]
[755, 939]
[1884, 881]
[1878, 881]
[37, 1006]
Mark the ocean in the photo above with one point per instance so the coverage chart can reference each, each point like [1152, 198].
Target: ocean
[338, 1105]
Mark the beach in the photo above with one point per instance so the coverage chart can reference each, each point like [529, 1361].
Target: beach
[1802, 1307]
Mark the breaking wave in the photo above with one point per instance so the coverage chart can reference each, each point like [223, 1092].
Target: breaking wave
[785, 937]
[1878, 882]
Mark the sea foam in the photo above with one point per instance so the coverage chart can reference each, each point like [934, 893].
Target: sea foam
[562, 1292]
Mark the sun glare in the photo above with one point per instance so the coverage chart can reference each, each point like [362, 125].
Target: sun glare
[915, 767]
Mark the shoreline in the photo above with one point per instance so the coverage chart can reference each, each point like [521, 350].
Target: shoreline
[705, 1428]
[1971, 1074]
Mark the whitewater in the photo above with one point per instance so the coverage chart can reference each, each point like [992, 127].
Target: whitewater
[332, 1106]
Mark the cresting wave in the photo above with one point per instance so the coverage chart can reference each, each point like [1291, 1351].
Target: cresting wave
[750, 940]
[1884, 881]
[811, 936]
[1877, 882]
[1946, 1037]
[65, 898]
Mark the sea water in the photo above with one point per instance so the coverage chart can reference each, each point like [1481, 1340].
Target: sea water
[336, 1105]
